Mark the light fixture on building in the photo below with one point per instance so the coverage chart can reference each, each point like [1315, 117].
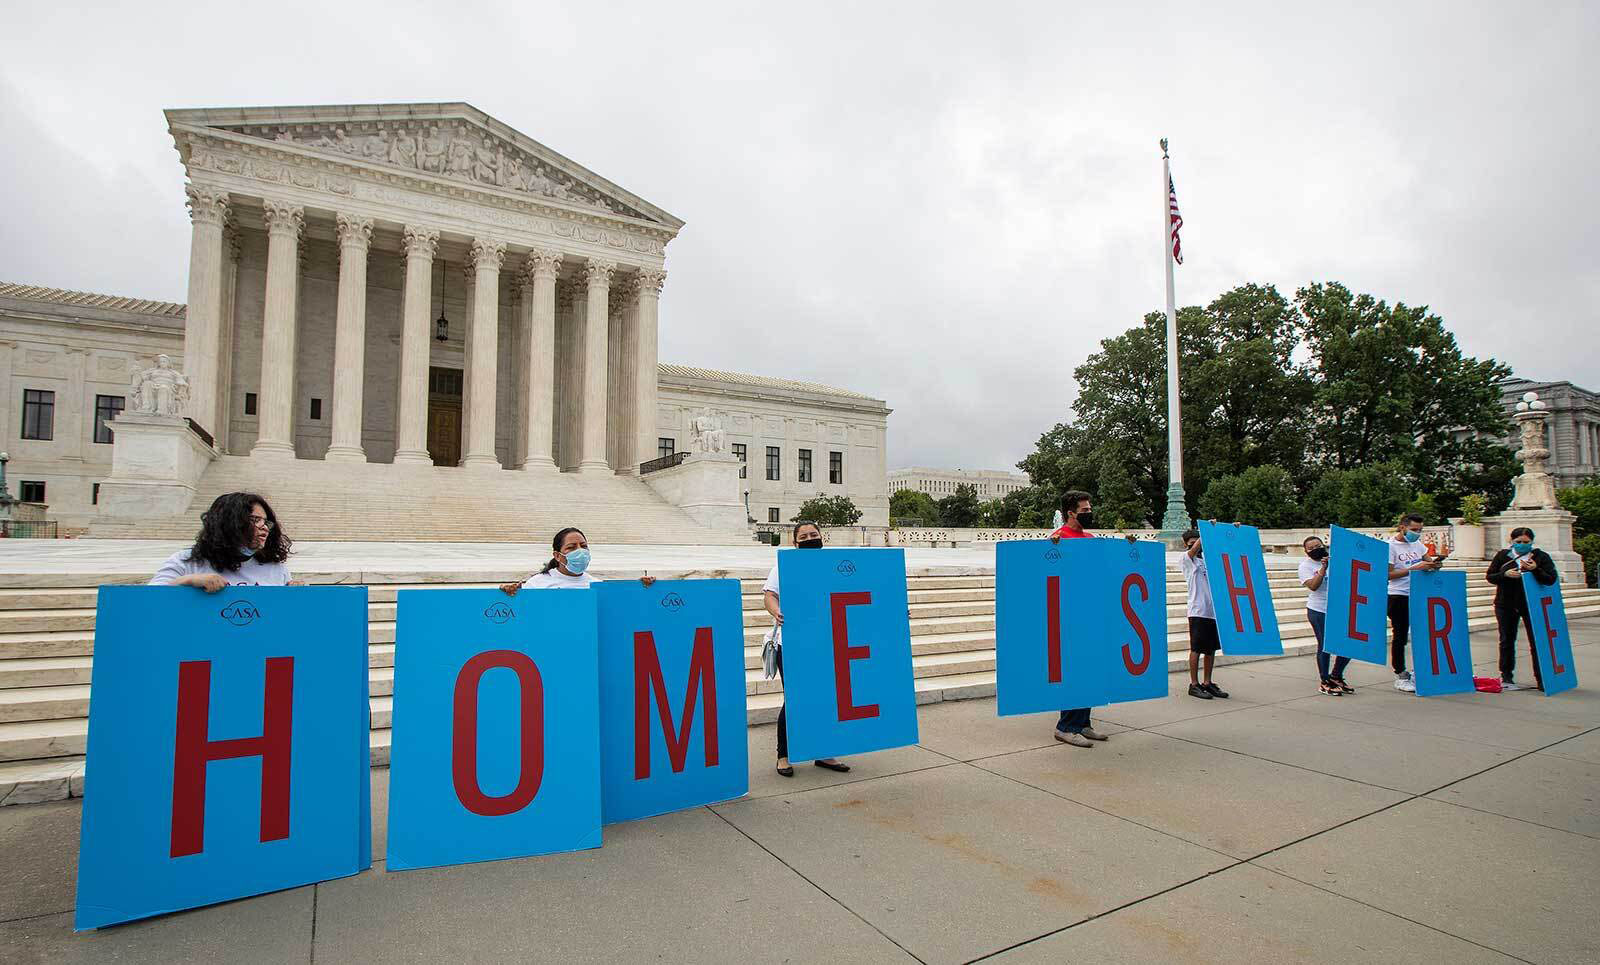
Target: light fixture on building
[441, 325]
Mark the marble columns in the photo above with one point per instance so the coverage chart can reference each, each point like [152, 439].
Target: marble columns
[202, 333]
[350, 340]
[539, 304]
[483, 347]
[592, 437]
[643, 348]
[284, 224]
[411, 428]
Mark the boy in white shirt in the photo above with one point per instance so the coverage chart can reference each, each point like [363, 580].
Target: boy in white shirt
[1407, 554]
[1203, 640]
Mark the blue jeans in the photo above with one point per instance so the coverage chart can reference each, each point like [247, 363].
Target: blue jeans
[1073, 721]
[1319, 622]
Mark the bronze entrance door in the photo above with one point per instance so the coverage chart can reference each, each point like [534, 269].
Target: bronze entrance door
[444, 416]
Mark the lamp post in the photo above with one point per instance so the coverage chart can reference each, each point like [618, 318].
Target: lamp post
[1535, 488]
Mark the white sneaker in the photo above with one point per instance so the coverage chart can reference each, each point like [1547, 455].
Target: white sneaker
[1405, 684]
[1506, 685]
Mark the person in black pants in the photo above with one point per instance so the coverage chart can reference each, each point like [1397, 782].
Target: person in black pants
[807, 536]
[1511, 602]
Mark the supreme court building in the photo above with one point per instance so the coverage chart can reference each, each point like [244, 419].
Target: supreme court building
[416, 285]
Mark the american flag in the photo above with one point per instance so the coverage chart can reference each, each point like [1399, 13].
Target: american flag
[1175, 219]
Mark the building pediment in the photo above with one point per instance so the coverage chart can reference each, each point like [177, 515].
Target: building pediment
[454, 142]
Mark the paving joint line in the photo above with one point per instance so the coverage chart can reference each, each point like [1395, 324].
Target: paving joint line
[312, 957]
[802, 876]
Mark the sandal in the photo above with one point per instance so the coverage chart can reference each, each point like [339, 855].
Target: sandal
[1331, 689]
[833, 766]
[1343, 687]
[787, 771]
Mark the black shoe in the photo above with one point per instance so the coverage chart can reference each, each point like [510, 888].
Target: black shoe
[1215, 690]
[1195, 690]
[786, 771]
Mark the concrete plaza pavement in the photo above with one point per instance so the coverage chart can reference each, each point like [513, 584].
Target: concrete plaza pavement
[1277, 826]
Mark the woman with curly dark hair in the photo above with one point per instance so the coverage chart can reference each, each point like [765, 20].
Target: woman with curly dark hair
[240, 544]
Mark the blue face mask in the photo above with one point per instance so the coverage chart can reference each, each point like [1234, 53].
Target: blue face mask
[246, 552]
[1522, 549]
[1412, 536]
[578, 561]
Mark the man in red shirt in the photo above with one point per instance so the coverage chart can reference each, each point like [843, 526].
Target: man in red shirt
[1074, 727]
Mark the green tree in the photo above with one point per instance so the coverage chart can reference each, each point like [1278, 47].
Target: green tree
[828, 511]
[1261, 496]
[913, 508]
[1426, 506]
[960, 509]
[1365, 496]
[1584, 503]
[1117, 501]
[1393, 386]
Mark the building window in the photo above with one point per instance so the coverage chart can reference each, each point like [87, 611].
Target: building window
[38, 414]
[805, 465]
[94, 492]
[316, 408]
[772, 514]
[32, 492]
[666, 446]
[744, 458]
[774, 463]
[249, 403]
[106, 408]
[836, 468]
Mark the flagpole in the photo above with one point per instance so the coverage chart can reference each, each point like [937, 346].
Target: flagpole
[1176, 519]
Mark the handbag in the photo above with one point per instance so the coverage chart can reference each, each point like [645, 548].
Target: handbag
[770, 645]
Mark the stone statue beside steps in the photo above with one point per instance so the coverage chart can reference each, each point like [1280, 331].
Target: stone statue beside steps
[162, 390]
[706, 433]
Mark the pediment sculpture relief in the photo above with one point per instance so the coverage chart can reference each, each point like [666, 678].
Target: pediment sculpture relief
[449, 150]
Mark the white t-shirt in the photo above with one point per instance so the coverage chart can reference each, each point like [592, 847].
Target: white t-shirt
[771, 586]
[249, 573]
[1194, 574]
[1317, 599]
[1403, 554]
[557, 580]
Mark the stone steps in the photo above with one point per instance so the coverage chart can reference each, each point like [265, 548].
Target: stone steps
[47, 641]
[433, 504]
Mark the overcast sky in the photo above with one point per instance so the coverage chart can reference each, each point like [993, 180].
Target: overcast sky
[947, 206]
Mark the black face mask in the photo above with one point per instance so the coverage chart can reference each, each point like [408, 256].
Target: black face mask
[1086, 520]
[1319, 554]
[814, 543]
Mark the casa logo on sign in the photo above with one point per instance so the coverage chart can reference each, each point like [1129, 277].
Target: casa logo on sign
[1052, 554]
[846, 568]
[672, 602]
[498, 612]
[241, 613]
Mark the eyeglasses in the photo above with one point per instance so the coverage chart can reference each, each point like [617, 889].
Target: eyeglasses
[263, 522]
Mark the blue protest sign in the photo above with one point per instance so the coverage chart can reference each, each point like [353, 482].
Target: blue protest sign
[672, 701]
[1246, 622]
[1134, 630]
[495, 750]
[846, 651]
[1358, 597]
[1107, 644]
[1442, 652]
[1552, 642]
[228, 746]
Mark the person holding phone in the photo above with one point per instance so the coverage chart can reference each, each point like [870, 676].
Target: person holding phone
[1407, 554]
[1511, 601]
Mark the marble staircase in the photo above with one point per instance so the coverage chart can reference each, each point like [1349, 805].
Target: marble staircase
[47, 644]
[400, 503]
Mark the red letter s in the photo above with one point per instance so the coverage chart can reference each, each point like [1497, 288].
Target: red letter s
[1133, 580]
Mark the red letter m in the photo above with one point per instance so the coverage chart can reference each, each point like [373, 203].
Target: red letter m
[647, 678]
[194, 750]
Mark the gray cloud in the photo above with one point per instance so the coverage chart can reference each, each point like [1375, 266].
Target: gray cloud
[945, 205]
